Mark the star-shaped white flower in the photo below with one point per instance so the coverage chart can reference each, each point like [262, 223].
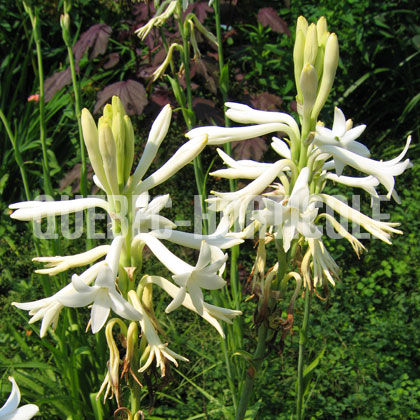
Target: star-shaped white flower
[103, 293]
[147, 213]
[292, 215]
[341, 135]
[205, 275]
[10, 409]
[383, 171]
[49, 309]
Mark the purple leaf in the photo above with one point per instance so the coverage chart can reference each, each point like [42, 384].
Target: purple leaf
[96, 36]
[55, 83]
[132, 95]
[266, 101]
[205, 110]
[161, 96]
[249, 149]
[267, 16]
[200, 9]
[112, 60]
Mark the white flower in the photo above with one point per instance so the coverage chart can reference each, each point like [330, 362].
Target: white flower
[35, 210]
[324, 266]
[157, 350]
[185, 154]
[221, 135]
[49, 309]
[293, 215]
[341, 135]
[235, 204]
[383, 171]
[246, 115]
[247, 169]
[211, 313]
[192, 279]
[10, 409]
[55, 265]
[147, 214]
[103, 293]
[382, 230]
[220, 238]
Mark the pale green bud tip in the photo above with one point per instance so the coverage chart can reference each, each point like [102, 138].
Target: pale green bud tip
[311, 45]
[308, 82]
[302, 25]
[117, 106]
[108, 112]
[106, 139]
[65, 22]
[308, 85]
[321, 27]
[90, 132]
[129, 146]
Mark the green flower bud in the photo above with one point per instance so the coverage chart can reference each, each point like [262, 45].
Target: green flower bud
[298, 61]
[90, 136]
[117, 106]
[118, 131]
[327, 80]
[108, 151]
[108, 112]
[311, 45]
[309, 85]
[302, 25]
[65, 26]
[321, 28]
[129, 147]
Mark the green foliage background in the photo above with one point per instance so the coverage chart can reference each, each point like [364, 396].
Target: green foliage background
[369, 329]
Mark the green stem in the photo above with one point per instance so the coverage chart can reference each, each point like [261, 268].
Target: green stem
[190, 116]
[229, 372]
[252, 372]
[42, 126]
[303, 335]
[83, 176]
[77, 112]
[18, 156]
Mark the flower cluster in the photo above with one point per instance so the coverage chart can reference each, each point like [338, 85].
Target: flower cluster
[114, 281]
[310, 155]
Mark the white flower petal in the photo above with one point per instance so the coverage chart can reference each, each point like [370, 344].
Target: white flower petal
[114, 253]
[169, 260]
[157, 134]
[100, 310]
[25, 412]
[56, 208]
[185, 154]
[281, 148]
[13, 401]
[339, 125]
[177, 301]
[122, 308]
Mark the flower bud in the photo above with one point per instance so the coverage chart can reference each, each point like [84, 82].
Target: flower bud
[328, 74]
[321, 28]
[108, 113]
[65, 26]
[108, 152]
[298, 61]
[90, 136]
[118, 131]
[129, 147]
[308, 85]
[311, 45]
[302, 25]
